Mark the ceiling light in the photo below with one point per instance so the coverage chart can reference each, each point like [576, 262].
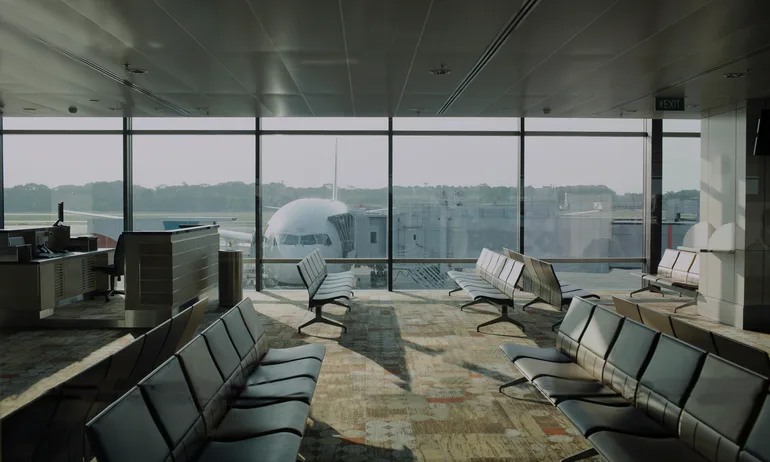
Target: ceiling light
[693, 105]
[135, 70]
[29, 109]
[116, 109]
[201, 109]
[734, 75]
[441, 70]
[631, 110]
[158, 109]
[94, 100]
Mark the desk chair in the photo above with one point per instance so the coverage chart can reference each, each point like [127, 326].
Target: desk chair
[116, 270]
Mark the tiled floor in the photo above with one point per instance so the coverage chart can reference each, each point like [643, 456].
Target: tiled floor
[410, 380]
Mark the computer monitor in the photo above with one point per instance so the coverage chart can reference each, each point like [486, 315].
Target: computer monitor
[14, 241]
[60, 219]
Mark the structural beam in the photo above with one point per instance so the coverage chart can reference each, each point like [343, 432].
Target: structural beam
[2, 177]
[520, 186]
[258, 248]
[128, 176]
[390, 204]
[653, 185]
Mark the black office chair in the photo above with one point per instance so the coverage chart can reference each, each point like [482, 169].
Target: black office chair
[115, 270]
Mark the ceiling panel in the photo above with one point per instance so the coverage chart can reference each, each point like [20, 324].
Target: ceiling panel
[301, 25]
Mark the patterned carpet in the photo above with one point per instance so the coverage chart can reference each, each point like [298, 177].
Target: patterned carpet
[413, 380]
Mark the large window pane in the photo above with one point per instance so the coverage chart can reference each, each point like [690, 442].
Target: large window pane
[83, 171]
[63, 123]
[324, 123]
[681, 125]
[198, 179]
[454, 124]
[328, 193]
[583, 197]
[681, 189]
[194, 123]
[584, 125]
[452, 196]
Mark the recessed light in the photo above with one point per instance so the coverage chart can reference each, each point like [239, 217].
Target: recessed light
[29, 109]
[158, 109]
[631, 110]
[441, 70]
[693, 105]
[135, 70]
[116, 109]
[201, 109]
[734, 75]
[94, 100]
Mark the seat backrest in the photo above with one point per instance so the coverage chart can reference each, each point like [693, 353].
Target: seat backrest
[241, 339]
[667, 262]
[499, 281]
[693, 335]
[628, 358]
[22, 431]
[176, 330]
[311, 272]
[667, 380]
[122, 364]
[742, 354]
[693, 276]
[206, 383]
[153, 343]
[525, 283]
[196, 317]
[512, 280]
[119, 257]
[597, 340]
[222, 349]
[573, 326]
[682, 266]
[126, 432]
[720, 409]
[757, 447]
[627, 308]
[482, 257]
[255, 327]
[532, 271]
[494, 267]
[550, 288]
[170, 401]
[656, 319]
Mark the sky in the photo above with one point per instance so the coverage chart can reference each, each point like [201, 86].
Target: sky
[305, 161]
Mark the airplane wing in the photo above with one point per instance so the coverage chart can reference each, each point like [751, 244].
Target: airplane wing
[271, 207]
[237, 235]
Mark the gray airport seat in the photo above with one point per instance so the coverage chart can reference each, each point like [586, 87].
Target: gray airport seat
[627, 308]
[324, 289]
[757, 447]
[679, 271]
[694, 335]
[153, 343]
[177, 328]
[742, 354]
[657, 320]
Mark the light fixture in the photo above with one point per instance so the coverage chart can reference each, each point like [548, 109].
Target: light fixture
[29, 109]
[158, 109]
[630, 111]
[201, 109]
[94, 100]
[116, 109]
[693, 106]
[441, 70]
[135, 70]
[734, 75]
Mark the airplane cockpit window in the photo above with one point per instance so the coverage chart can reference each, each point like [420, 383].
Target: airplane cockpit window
[323, 239]
[307, 239]
[291, 239]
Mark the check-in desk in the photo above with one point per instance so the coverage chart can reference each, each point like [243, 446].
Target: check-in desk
[29, 291]
[168, 270]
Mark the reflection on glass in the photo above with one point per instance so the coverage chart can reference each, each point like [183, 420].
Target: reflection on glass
[198, 180]
[681, 189]
[194, 123]
[429, 276]
[583, 125]
[583, 197]
[599, 276]
[324, 123]
[83, 171]
[491, 124]
[62, 123]
[323, 192]
[682, 125]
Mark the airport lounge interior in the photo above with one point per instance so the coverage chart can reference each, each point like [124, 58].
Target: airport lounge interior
[353, 230]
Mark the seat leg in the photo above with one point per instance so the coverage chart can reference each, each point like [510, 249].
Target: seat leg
[581, 455]
[475, 302]
[649, 288]
[319, 318]
[512, 383]
[684, 305]
[454, 290]
[502, 318]
[531, 302]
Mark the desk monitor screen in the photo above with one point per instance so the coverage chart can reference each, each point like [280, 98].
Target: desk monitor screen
[13, 241]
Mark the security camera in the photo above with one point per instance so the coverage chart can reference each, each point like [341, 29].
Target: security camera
[73, 110]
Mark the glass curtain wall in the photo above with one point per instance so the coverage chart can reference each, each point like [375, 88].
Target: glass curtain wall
[85, 171]
[681, 180]
[324, 184]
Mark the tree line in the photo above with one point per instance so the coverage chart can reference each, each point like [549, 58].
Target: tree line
[239, 197]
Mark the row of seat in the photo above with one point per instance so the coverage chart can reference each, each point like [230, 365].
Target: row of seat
[224, 396]
[678, 270]
[493, 283]
[324, 288]
[639, 395]
[738, 352]
[540, 280]
[51, 427]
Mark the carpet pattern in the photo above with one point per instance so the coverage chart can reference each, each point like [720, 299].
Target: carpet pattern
[413, 380]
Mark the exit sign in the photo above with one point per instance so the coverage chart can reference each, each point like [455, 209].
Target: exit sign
[669, 104]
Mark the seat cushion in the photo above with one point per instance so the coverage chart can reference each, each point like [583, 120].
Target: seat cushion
[289, 416]
[299, 389]
[557, 389]
[590, 418]
[534, 368]
[273, 372]
[516, 352]
[277, 447]
[621, 447]
[284, 355]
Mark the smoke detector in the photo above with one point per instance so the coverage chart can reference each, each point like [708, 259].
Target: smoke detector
[441, 70]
